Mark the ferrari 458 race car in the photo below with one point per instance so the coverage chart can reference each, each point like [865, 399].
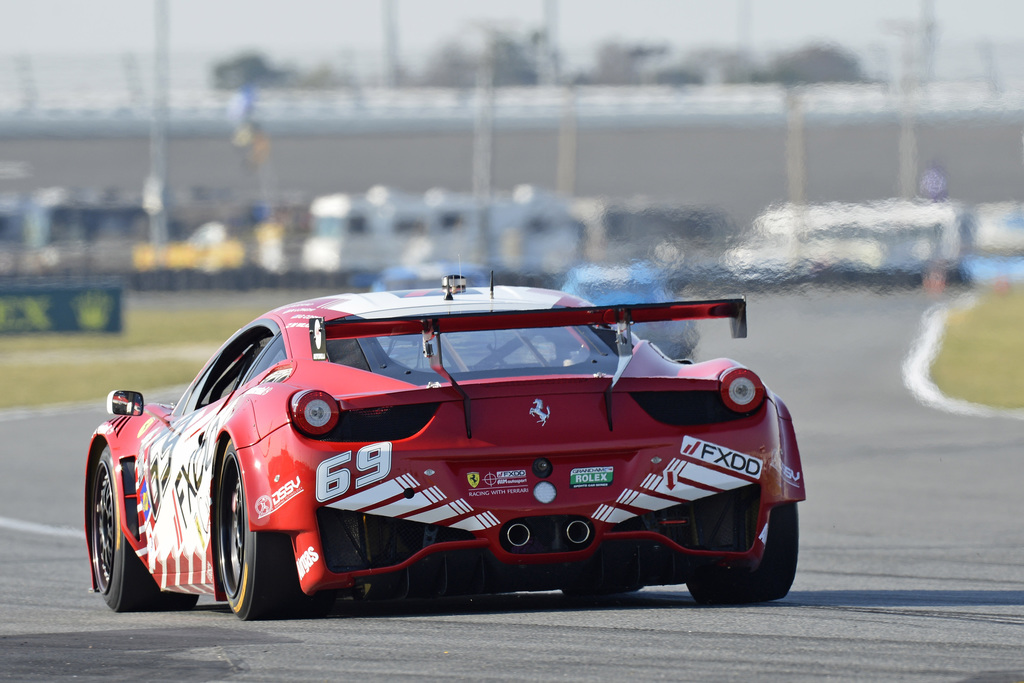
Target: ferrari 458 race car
[452, 441]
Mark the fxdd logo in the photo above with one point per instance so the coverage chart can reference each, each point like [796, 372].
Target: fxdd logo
[721, 456]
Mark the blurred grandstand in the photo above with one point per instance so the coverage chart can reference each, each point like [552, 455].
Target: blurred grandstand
[255, 228]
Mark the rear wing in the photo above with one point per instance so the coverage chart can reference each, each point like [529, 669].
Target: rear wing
[349, 328]
[621, 317]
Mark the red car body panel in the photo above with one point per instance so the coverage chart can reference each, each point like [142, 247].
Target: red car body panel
[466, 474]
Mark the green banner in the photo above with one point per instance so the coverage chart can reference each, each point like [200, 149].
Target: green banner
[60, 308]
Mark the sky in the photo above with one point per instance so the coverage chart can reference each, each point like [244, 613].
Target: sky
[293, 26]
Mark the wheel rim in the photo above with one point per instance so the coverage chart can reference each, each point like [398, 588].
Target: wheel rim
[104, 527]
[232, 528]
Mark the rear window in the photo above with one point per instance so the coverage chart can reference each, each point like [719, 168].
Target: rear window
[491, 354]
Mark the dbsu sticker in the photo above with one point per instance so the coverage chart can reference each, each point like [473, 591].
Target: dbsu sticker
[721, 456]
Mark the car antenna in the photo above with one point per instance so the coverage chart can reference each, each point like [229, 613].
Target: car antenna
[492, 285]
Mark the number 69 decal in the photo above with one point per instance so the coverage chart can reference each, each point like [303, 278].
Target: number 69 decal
[333, 477]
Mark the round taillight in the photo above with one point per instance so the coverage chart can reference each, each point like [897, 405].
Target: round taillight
[741, 390]
[314, 413]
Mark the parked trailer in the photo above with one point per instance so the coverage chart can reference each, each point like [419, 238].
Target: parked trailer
[528, 230]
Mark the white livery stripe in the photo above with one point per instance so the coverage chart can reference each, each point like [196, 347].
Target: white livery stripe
[618, 515]
[469, 524]
[684, 492]
[407, 481]
[612, 515]
[646, 502]
[370, 497]
[404, 506]
[435, 494]
[627, 496]
[709, 477]
[488, 519]
[462, 506]
[601, 513]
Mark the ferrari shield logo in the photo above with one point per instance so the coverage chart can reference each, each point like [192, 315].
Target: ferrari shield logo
[474, 479]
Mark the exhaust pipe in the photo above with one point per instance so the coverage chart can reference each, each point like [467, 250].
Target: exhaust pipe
[517, 534]
[577, 531]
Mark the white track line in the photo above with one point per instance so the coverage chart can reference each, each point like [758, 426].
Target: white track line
[44, 529]
[917, 366]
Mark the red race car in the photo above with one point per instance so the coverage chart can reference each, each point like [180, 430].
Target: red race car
[452, 441]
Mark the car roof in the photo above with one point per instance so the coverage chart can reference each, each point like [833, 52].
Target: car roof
[375, 305]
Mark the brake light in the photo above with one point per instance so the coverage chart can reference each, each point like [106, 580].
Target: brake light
[741, 390]
[314, 413]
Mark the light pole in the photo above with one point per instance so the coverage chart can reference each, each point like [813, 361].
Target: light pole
[390, 44]
[483, 147]
[155, 190]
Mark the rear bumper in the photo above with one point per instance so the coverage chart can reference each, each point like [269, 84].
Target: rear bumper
[385, 558]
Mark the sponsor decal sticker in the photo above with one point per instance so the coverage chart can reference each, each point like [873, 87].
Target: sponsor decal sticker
[317, 338]
[263, 507]
[473, 478]
[721, 456]
[146, 425]
[499, 482]
[792, 477]
[306, 561]
[267, 504]
[590, 477]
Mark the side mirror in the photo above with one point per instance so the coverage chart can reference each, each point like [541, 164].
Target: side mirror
[125, 403]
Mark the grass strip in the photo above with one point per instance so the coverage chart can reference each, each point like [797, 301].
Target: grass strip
[980, 359]
[67, 380]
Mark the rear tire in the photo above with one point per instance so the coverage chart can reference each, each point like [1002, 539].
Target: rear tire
[257, 569]
[119, 575]
[770, 581]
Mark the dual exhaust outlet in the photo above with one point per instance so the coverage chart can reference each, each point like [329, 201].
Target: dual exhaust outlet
[576, 531]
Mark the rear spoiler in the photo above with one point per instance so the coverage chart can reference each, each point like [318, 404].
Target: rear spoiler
[349, 328]
[621, 317]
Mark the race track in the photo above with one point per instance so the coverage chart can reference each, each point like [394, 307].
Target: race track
[911, 567]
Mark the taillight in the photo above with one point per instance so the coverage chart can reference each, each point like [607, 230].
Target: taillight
[314, 413]
[741, 390]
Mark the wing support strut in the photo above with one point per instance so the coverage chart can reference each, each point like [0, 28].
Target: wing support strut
[432, 337]
[624, 350]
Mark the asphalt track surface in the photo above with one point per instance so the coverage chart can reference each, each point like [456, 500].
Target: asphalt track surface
[911, 566]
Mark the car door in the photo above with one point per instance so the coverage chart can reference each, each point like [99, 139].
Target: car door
[177, 463]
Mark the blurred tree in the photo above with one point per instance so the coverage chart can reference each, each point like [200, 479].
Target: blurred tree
[515, 60]
[680, 74]
[323, 77]
[451, 66]
[812, 64]
[250, 68]
[454, 66]
[624, 64]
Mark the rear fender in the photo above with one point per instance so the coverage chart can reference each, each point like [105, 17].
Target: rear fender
[792, 469]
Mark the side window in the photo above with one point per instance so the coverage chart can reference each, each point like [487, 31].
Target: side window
[228, 368]
[231, 366]
[272, 354]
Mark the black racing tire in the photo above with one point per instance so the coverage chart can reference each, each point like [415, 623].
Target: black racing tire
[256, 569]
[770, 581]
[119, 574]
